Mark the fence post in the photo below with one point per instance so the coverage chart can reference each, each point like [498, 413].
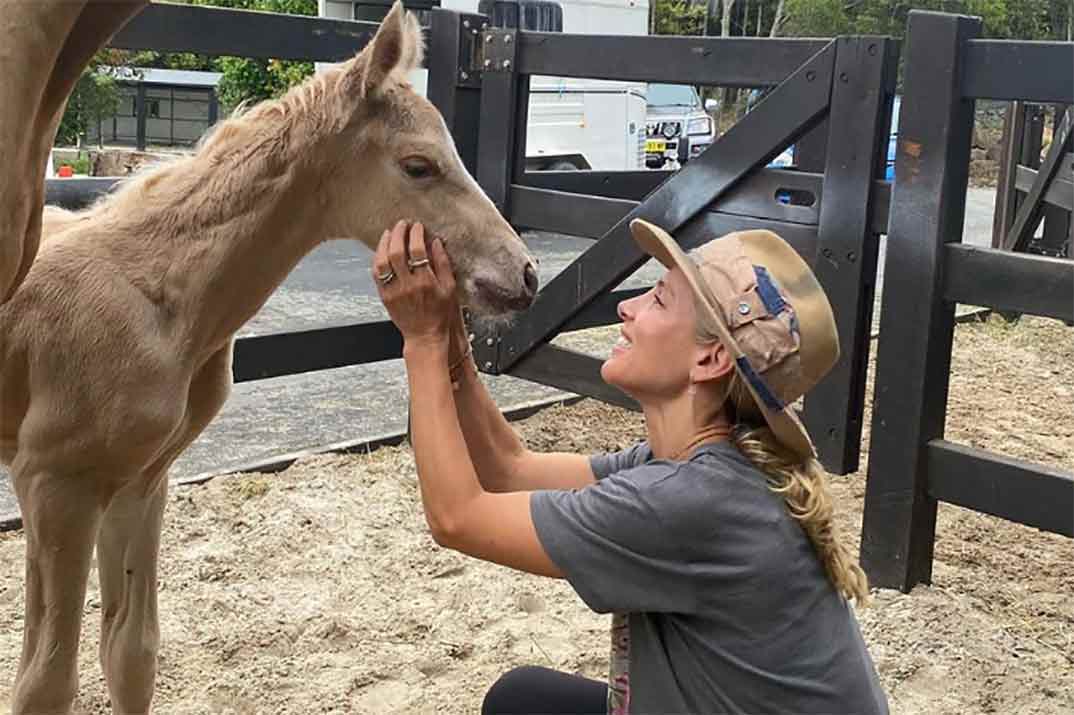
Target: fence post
[927, 211]
[141, 111]
[863, 85]
[454, 85]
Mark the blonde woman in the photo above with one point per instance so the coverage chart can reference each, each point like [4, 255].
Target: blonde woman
[712, 541]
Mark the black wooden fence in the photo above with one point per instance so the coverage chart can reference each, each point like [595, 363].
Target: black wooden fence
[927, 271]
[832, 96]
[1031, 190]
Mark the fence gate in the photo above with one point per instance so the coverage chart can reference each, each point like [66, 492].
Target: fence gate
[479, 78]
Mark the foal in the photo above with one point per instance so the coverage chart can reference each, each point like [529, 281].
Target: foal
[115, 352]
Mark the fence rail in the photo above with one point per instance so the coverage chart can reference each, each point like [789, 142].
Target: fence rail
[167, 27]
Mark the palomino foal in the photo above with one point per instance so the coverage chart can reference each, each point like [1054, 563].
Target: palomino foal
[116, 349]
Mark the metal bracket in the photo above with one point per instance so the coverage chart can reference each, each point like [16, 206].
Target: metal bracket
[499, 50]
[471, 50]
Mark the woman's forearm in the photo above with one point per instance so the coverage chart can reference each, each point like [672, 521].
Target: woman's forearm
[493, 443]
[449, 481]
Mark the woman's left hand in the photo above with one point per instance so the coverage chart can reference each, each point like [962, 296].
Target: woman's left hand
[416, 284]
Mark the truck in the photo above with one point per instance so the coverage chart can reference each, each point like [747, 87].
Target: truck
[573, 123]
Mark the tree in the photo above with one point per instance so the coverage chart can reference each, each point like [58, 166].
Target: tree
[94, 97]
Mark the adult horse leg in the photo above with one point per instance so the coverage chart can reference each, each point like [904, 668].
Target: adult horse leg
[60, 512]
[47, 44]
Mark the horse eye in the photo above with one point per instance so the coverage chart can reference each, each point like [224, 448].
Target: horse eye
[418, 168]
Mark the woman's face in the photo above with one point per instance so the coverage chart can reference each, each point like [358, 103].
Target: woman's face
[657, 349]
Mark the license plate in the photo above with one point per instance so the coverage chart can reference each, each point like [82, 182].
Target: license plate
[655, 146]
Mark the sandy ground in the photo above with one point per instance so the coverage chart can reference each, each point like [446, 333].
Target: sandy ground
[319, 589]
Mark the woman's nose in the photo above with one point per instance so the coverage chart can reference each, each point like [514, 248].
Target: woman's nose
[621, 309]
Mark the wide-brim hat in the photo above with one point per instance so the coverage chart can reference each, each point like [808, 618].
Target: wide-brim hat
[768, 310]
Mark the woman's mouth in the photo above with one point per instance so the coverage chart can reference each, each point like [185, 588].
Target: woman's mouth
[621, 345]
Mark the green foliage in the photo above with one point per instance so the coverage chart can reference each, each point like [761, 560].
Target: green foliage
[94, 97]
[1005, 19]
[678, 17]
[247, 80]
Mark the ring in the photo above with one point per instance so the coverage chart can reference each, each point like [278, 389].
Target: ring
[386, 278]
[418, 263]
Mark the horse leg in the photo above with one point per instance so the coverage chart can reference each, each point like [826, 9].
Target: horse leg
[127, 549]
[60, 512]
[47, 44]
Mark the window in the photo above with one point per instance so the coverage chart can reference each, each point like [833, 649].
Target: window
[532, 15]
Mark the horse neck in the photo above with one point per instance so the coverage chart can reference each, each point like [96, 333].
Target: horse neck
[222, 239]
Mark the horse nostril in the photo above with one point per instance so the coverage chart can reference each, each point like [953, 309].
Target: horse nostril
[529, 276]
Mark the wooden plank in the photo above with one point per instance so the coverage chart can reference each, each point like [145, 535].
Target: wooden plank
[571, 371]
[168, 27]
[1032, 210]
[859, 121]
[1014, 69]
[916, 322]
[725, 62]
[1017, 282]
[1060, 193]
[279, 354]
[1012, 489]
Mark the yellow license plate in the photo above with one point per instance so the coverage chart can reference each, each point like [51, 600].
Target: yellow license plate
[655, 146]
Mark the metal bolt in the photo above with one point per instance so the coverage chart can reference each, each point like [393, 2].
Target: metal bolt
[488, 365]
[507, 39]
[872, 49]
[466, 24]
[488, 64]
[827, 253]
[464, 75]
[507, 64]
[490, 342]
[810, 75]
[472, 337]
[843, 77]
[744, 308]
[488, 38]
[851, 256]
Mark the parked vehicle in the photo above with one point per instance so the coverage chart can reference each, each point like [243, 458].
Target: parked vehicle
[677, 126]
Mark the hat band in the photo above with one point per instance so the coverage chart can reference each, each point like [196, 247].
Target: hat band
[767, 397]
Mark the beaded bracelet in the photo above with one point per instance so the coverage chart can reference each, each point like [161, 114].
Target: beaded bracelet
[454, 372]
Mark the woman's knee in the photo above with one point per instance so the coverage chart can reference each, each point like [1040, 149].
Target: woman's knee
[503, 696]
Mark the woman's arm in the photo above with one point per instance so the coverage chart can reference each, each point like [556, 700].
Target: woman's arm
[502, 462]
[462, 515]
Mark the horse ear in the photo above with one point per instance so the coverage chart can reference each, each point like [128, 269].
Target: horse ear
[415, 43]
[386, 51]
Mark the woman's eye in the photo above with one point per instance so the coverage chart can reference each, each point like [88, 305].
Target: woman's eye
[419, 168]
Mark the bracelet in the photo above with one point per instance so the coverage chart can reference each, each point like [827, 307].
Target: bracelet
[454, 371]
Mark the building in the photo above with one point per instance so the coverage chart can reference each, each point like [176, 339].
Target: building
[159, 107]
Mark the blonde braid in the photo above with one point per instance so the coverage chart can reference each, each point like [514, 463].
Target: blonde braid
[804, 486]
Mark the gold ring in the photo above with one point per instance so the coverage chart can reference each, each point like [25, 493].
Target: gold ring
[418, 263]
[386, 278]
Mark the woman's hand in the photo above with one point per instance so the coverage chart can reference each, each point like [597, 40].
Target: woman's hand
[416, 284]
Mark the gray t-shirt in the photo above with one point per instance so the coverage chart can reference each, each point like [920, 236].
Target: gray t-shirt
[730, 611]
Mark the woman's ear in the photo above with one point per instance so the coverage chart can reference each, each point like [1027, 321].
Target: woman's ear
[712, 362]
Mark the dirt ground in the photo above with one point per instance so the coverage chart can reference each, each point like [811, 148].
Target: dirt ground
[319, 589]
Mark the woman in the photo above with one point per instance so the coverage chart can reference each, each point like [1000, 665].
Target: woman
[712, 541]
